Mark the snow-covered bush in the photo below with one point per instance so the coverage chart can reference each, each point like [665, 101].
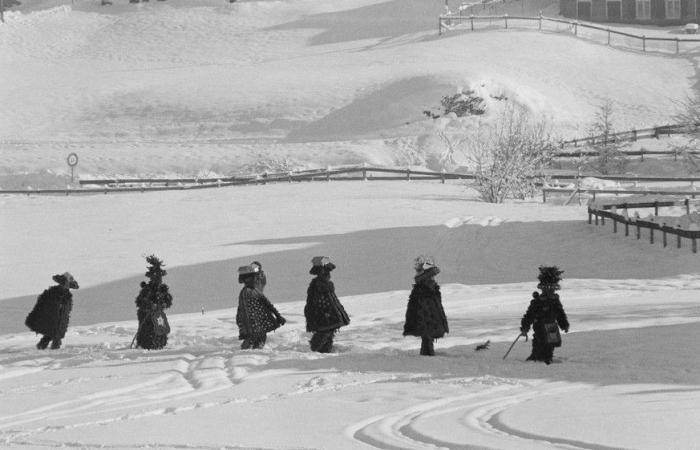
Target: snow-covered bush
[690, 114]
[506, 154]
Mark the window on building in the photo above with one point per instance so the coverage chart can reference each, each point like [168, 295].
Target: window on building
[673, 9]
[643, 9]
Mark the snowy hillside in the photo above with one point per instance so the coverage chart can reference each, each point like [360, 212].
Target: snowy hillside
[221, 86]
[211, 87]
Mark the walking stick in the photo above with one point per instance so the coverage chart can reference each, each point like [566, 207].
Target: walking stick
[137, 332]
[513, 345]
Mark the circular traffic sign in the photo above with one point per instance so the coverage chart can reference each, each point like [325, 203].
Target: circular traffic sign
[72, 159]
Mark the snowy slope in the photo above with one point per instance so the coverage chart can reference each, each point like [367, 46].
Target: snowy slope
[218, 86]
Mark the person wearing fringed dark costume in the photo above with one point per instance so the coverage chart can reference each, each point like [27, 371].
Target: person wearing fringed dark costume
[425, 316]
[255, 316]
[51, 313]
[323, 311]
[546, 316]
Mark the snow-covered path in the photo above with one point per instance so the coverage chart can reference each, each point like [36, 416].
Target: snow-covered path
[375, 390]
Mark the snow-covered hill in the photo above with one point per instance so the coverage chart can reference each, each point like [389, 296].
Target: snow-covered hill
[180, 88]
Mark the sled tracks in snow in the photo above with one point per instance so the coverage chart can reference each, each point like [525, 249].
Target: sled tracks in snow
[466, 422]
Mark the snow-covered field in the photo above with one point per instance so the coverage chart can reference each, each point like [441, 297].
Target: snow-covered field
[174, 88]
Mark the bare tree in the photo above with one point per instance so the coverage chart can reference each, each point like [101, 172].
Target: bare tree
[508, 155]
[690, 114]
[610, 157]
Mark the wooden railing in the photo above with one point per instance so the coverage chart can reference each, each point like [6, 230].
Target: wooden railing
[361, 172]
[594, 191]
[602, 213]
[633, 135]
[447, 22]
[117, 185]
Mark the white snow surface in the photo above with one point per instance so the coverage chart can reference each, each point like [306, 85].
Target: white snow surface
[182, 87]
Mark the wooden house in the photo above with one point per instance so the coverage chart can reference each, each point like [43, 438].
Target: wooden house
[651, 12]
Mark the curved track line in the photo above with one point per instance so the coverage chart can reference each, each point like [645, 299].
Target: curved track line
[469, 421]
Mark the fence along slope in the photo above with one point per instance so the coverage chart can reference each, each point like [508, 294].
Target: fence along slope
[452, 22]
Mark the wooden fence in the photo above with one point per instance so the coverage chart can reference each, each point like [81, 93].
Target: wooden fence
[633, 135]
[593, 192]
[119, 185]
[451, 21]
[603, 213]
[363, 172]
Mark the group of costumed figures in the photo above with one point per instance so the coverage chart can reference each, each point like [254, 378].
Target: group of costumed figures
[325, 315]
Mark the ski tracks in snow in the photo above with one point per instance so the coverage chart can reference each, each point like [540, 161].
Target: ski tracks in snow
[465, 422]
[185, 377]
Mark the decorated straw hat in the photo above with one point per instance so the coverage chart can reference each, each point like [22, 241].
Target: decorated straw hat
[425, 267]
[321, 264]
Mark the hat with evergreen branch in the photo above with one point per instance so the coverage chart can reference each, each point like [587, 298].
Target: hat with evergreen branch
[549, 277]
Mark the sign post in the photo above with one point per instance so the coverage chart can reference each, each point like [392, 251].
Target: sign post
[72, 161]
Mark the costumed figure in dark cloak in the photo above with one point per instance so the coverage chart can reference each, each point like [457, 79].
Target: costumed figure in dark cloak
[256, 316]
[151, 304]
[323, 311]
[425, 316]
[546, 316]
[51, 312]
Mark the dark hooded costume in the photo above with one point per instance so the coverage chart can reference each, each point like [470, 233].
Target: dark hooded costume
[152, 301]
[51, 313]
[425, 316]
[546, 316]
[323, 311]
[255, 316]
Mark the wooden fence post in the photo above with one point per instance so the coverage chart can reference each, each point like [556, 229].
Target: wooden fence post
[678, 237]
[663, 229]
[590, 216]
[439, 26]
[408, 174]
[596, 217]
[471, 19]
[442, 176]
[656, 207]
[608, 36]
[634, 135]
[505, 16]
[687, 206]
[364, 171]
[540, 24]
[627, 228]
